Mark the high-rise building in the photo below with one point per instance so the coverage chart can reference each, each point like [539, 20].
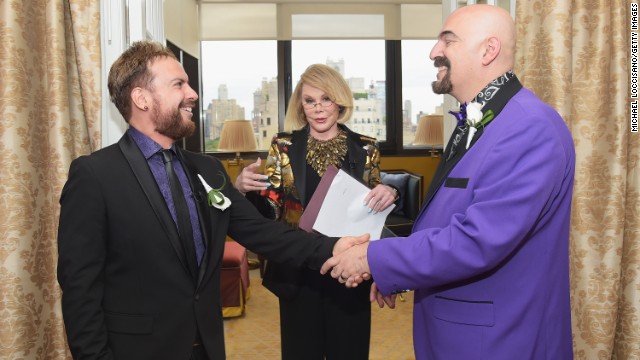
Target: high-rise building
[223, 92]
[218, 111]
[356, 84]
[337, 65]
[265, 112]
[368, 115]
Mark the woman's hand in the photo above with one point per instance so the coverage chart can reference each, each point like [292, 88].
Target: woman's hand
[249, 180]
[380, 198]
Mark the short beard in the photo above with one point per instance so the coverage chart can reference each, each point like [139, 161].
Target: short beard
[172, 125]
[443, 86]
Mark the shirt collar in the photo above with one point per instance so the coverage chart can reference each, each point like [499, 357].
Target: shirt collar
[145, 143]
[490, 91]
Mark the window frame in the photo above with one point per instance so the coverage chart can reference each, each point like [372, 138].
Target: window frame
[393, 146]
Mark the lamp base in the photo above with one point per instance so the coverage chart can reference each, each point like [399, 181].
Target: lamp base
[237, 161]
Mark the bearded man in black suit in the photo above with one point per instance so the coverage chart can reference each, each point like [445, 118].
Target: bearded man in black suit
[141, 278]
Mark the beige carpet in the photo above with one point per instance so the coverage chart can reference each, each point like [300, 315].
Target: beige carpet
[256, 334]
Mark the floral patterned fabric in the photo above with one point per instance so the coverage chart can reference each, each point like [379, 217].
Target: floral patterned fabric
[49, 114]
[574, 55]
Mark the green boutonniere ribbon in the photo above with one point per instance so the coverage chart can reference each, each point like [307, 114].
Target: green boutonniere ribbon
[215, 197]
[486, 118]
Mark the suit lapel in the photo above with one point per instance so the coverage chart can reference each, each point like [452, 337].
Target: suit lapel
[496, 104]
[355, 152]
[445, 167]
[298, 158]
[140, 169]
[202, 207]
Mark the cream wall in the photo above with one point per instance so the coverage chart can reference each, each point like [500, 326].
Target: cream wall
[181, 25]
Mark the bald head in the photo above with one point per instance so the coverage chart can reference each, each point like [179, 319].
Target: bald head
[481, 22]
[476, 45]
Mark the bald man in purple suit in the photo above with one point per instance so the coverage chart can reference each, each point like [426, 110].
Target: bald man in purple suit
[488, 255]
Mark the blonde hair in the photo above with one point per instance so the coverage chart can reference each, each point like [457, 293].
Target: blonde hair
[326, 79]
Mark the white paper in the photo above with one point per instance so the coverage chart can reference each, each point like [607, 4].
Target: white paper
[343, 212]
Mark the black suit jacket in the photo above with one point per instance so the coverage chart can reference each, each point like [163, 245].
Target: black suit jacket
[127, 292]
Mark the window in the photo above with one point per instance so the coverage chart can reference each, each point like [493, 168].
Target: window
[255, 53]
[245, 90]
[360, 62]
[417, 98]
[251, 91]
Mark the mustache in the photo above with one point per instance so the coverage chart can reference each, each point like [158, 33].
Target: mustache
[191, 104]
[441, 61]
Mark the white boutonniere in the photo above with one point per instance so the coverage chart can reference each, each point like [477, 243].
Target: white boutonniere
[215, 196]
[476, 119]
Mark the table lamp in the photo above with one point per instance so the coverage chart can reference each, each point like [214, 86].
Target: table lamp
[429, 132]
[237, 136]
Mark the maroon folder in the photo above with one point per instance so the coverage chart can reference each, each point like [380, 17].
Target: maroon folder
[310, 213]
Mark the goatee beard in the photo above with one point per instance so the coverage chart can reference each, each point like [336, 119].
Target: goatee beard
[172, 125]
[443, 86]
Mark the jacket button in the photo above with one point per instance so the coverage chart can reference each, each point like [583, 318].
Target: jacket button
[197, 297]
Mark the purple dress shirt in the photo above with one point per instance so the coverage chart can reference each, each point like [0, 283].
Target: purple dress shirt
[150, 150]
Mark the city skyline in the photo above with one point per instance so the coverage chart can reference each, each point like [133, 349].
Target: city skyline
[359, 63]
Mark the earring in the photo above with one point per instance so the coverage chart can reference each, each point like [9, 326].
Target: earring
[146, 108]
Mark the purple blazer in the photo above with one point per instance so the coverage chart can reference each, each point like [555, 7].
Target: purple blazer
[488, 255]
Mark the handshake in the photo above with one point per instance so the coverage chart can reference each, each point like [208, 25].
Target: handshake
[350, 266]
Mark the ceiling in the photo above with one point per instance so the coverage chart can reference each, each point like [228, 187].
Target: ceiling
[323, 1]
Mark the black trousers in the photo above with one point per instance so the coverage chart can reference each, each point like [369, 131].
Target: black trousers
[325, 320]
[199, 353]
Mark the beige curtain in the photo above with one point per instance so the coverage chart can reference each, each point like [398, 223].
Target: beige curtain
[575, 55]
[49, 114]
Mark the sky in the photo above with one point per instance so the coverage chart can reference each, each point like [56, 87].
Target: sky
[242, 65]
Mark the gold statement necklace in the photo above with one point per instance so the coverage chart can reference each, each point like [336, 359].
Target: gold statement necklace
[322, 153]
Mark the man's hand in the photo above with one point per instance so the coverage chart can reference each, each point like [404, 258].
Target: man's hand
[249, 180]
[376, 295]
[347, 242]
[350, 267]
